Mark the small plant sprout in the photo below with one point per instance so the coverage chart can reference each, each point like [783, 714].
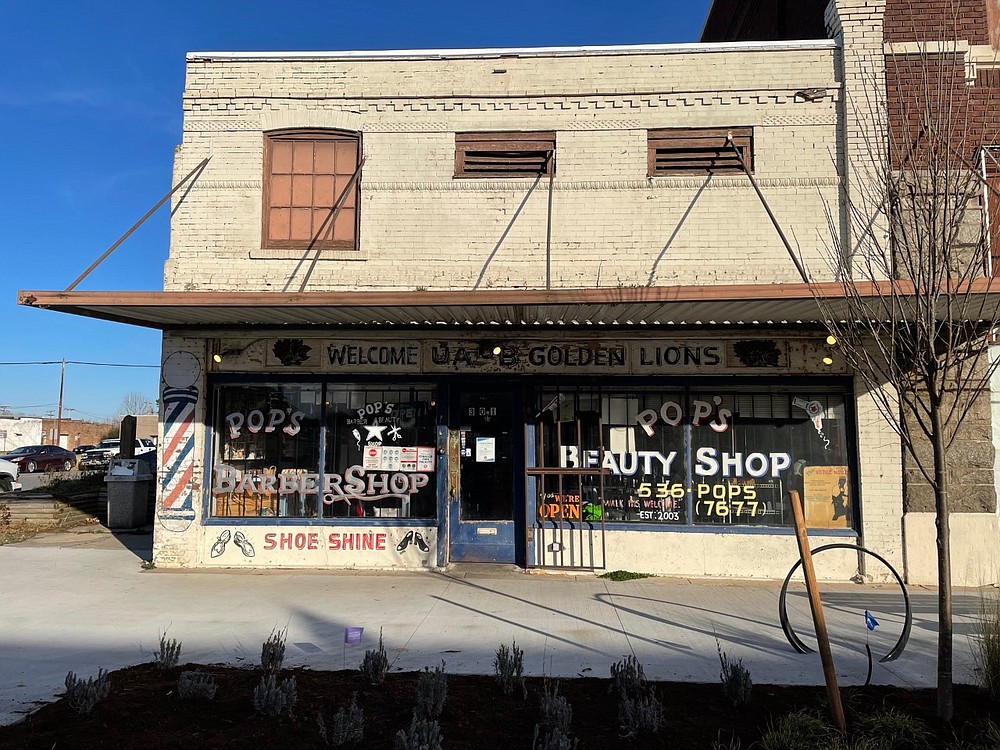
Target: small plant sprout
[986, 645]
[272, 698]
[422, 735]
[432, 691]
[640, 713]
[83, 695]
[375, 664]
[627, 677]
[346, 727]
[554, 710]
[193, 685]
[508, 667]
[552, 738]
[169, 653]
[736, 683]
[272, 651]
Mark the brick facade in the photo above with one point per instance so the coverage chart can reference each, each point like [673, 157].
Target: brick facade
[809, 105]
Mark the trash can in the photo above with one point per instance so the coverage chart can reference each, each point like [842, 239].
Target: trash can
[128, 489]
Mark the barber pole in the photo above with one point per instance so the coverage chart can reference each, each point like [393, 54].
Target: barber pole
[180, 396]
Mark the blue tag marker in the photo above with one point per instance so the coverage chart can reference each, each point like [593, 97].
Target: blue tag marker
[870, 621]
[353, 635]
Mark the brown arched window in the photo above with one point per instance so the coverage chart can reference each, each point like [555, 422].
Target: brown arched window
[305, 172]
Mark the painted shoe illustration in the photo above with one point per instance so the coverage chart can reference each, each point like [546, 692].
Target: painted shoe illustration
[220, 544]
[418, 539]
[240, 540]
[405, 542]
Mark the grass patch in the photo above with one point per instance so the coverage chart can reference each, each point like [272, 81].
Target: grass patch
[18, 531]
[624, 575]
[88, 484]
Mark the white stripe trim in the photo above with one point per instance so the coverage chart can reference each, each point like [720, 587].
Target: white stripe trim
[488, 52]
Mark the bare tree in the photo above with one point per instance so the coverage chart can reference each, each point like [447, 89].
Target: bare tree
[913, 312]
[134, 403]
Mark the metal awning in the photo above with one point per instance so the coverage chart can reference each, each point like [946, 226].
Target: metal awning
[729, 305]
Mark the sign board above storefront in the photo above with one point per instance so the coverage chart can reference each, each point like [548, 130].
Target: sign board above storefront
[611, 356]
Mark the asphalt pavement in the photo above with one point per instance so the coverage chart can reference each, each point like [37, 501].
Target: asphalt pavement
[81, 600]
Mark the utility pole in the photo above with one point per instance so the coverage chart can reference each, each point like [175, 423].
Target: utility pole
[62, 381]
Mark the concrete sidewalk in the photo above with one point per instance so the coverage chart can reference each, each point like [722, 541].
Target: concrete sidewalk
[79, 601]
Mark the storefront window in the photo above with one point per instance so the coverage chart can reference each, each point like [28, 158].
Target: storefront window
[380, 443]
[267, 443]
[379, 459]
[702, 457]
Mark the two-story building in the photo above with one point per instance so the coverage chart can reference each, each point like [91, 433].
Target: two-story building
[526, 306]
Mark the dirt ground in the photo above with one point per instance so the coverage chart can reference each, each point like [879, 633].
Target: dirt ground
[144, 710]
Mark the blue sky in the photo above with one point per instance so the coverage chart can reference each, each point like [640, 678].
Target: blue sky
[90, 112]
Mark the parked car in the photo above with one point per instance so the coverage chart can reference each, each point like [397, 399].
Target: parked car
[32, 458]
[8, 476]
[100, 456]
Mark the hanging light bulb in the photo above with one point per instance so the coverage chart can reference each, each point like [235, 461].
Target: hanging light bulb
[831, 340]
[827, 360]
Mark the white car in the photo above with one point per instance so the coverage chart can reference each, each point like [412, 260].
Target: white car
[8, 476]
[99, 457]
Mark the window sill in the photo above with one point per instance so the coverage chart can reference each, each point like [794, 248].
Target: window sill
[300, 253]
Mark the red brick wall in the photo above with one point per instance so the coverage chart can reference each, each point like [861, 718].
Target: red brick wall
[935, 84]
[936, 20]
[77, 431]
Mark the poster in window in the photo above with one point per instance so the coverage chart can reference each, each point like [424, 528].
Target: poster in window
[827, 497]
[486, 450]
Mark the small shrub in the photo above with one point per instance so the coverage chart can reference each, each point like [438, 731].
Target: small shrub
[272, 698]
[347, 725]
[508, 668]
[422, 735]
[639, 714]
[736, 683]
[375, 665]
[552, 738]
[733, 744]
[799, 730]
[83, 695]
[624, 575]
[432, 690]
[193, 685]
[891, 729]
[986, 738]
[5, 517]
[986, 646]
[169, 653]
[272, 651]
[554, 711]
[627, 677]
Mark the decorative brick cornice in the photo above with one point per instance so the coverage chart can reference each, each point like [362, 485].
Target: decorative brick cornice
[518, 185]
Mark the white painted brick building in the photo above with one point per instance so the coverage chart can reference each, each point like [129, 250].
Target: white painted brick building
[605, 360]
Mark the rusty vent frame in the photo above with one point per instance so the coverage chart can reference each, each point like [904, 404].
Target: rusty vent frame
[698, 150]
[504, 155]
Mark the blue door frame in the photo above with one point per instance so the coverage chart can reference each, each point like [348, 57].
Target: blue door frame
[486, 493]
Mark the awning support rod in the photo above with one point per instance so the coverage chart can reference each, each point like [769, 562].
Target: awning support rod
[199, 169]
[326, 228]
[770, 213]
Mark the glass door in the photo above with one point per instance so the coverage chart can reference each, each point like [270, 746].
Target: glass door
[487, 504]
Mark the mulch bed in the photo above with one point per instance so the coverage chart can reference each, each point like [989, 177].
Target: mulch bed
[144, 711]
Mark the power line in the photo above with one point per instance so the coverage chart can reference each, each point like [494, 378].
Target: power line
[77, 362]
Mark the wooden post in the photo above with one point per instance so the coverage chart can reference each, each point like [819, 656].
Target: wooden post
[822, 637]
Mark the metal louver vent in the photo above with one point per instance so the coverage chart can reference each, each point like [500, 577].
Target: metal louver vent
[504, 154]
[700, 151]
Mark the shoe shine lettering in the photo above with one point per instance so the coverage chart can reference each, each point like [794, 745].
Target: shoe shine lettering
[313, 540]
